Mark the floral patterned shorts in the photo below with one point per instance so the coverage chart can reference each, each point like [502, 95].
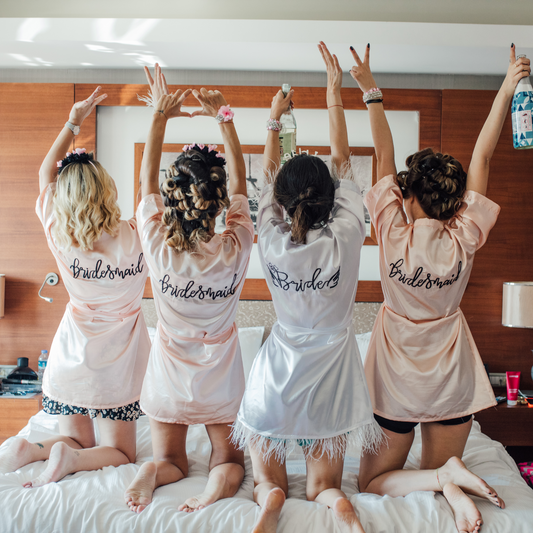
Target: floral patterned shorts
[127, 413]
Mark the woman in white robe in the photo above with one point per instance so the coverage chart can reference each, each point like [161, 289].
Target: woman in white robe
[307, 384]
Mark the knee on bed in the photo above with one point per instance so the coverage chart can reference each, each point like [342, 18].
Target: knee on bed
[175, 460]
[315, 486]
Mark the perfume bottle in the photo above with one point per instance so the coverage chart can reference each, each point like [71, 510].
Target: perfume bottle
[521, 108]
[287, 136]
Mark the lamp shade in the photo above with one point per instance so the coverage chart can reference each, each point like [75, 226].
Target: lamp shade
[517, 307]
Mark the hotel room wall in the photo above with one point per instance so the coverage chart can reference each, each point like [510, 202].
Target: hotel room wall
[32, 114]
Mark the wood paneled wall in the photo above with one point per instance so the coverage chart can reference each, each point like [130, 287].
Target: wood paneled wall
[31, 116]
[508, 253]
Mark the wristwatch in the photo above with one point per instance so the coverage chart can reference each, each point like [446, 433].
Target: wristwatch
[74, 129]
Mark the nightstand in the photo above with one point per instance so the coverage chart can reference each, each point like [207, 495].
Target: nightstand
[15, 413]
[512, 425]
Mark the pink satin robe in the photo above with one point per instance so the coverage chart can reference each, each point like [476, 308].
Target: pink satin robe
[195, 374]
[100, 351]
[422, 363]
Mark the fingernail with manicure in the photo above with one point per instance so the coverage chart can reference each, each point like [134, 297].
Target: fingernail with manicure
[351, 47]
[368, 45]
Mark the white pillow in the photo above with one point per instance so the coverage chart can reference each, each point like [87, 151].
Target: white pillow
[250, 340]
[363, 340]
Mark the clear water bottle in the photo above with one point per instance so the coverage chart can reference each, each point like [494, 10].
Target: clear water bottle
[43, 360]
[521, 114]
[287, 136]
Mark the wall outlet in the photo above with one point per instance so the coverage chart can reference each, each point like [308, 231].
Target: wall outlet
[498, 379]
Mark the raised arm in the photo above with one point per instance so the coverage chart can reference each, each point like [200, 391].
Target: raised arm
[79, 112]
[212, 102]
[272, 155]
[381, 134]
[338, 134]
[166, 106]
[478, 172]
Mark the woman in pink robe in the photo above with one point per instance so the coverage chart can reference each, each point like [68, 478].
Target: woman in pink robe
[100, 351]
[422, 364]
[195, 374]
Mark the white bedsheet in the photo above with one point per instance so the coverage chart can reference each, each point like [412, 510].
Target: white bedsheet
[93, 501]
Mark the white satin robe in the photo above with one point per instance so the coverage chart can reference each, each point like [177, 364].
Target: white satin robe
[307, 384]
[195, 374]
[422, 363]
[100, 351]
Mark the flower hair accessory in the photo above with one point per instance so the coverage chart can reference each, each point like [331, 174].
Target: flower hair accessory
[79, 155]
[208, 152]
[224, 114]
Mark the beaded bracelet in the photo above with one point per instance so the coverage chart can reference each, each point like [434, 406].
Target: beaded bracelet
[224, 114]
[274, 125]
[372, 94]
[374, 101]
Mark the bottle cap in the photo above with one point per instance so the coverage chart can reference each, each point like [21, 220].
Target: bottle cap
[511, 402]
[44, 351]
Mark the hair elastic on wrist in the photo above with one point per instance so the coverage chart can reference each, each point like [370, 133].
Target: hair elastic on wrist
[79, 155]
[274, 125]
[336, 105]
[224, 114]
[375, 101]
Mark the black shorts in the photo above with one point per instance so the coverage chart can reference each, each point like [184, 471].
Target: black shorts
[397, 426]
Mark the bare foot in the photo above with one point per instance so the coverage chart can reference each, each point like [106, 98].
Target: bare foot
[467, 517]
[139, 493]
[17, 454]
[455, 471]
[268, 519]
[61, 462]
[347, 519]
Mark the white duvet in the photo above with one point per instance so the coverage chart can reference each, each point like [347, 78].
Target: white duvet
[93, 501]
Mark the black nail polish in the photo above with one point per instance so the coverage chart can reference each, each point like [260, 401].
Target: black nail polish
[351, 47]
[368, 45]
[512, 45]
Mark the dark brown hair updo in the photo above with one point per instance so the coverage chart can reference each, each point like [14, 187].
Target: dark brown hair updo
[437, 181]
[305, 188]
[193, 192]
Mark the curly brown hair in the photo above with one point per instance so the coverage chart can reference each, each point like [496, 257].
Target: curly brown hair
[305, 188]
[193, 192]
[436, 180]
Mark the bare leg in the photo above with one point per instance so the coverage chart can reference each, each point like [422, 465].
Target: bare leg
[444, 445]
[118, 441]
[271, 489]
[169, 464]
[226, 470]
[324, 478]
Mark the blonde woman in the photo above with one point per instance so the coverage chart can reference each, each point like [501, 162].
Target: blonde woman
[100, 351]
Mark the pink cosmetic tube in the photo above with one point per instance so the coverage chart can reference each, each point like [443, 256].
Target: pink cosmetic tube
[513, 383]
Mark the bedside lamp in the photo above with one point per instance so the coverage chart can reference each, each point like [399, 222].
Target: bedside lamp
[517, 306]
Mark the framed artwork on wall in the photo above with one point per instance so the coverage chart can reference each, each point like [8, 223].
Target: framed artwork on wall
[363, 163]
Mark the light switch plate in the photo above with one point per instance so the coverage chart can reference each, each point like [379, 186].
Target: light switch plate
[497, 379]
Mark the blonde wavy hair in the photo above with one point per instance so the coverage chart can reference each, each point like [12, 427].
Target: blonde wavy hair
[85, 205]
[437, 180]
[194, 192]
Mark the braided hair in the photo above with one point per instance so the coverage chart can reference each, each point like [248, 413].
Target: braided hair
[305, 188]
[194, 191]
[436, 180]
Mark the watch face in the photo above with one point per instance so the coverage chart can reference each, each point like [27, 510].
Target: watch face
[76, 130]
